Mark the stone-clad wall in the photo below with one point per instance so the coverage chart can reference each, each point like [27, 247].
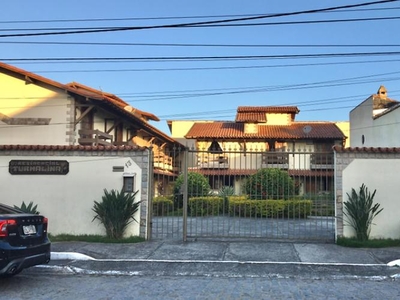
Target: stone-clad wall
[378, 169]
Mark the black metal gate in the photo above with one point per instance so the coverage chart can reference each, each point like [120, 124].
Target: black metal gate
[277, 195]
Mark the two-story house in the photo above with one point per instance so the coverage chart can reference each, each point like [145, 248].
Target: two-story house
[262, 137]
[38, 111]
[65, 143]
[375, 122]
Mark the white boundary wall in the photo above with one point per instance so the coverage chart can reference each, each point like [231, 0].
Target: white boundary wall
[377, 169]
[67, 200]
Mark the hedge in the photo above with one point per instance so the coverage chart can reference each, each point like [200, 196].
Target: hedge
[205, 206]
[244, 207]
[162, 206]
[240, 206]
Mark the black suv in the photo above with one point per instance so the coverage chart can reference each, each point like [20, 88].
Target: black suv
[23, 240]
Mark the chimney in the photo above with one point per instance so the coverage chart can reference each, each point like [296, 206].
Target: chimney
[382, 92]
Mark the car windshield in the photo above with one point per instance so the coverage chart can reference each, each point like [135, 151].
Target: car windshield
[5, 209]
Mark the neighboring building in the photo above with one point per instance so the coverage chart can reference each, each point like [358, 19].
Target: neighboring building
[38, 111]
[375, 122]
[262, 137]
[67, 142]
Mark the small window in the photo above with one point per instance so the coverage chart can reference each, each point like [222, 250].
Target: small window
[362, 139]
[215, 147]
[129, 182]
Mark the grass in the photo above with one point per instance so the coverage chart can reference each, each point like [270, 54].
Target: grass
[372, 243]
[93, 238]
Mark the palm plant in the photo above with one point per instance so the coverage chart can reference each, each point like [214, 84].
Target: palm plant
[225, 192]
[360, 211]
[116, 211]
[30, 208]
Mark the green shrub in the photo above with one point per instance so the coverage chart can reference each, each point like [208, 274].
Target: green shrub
[269, 184]
[323, 204]
[116, 211]
[162, 206]
[197, 185]
[244, 207]
[225, 192]
[205, 206]
[30, 208]
[360, 211]
[298, 208]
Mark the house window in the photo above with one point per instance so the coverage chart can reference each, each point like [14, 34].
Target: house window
[215, 147]
[129, 182]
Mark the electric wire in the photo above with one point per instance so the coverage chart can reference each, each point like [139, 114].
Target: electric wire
[176, 17]
[192, 24]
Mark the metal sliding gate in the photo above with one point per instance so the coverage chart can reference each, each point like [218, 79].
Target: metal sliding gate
[275, 195]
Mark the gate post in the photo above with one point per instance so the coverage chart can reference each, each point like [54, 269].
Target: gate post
[185, 192]
[150, 193]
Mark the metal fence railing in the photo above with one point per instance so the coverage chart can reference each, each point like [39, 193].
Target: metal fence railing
[244, 194]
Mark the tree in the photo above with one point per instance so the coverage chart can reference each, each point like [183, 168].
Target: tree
[197, 185]
[269, 184]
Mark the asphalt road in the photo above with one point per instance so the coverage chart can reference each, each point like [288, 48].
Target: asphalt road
[43, 285]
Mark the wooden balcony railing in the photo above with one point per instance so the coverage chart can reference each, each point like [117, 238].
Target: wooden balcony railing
[275, 160]
[322, 161]
[94, 138]
[213, 162]
[163, 162]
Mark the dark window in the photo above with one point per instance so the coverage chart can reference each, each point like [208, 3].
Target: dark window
[215, 147]
[128, 184]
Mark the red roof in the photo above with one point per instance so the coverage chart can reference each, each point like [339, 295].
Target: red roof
[269, 109]
[367, 149]
[97, 94]
[257, 114]
[232, 130]
[69, 148]
[247, 172]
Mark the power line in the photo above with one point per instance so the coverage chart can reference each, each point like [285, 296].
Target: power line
[200, 58]
[213, 25]
[215, 68]
[206, 45]
[174, 17]
[185, 94]
[192, 24]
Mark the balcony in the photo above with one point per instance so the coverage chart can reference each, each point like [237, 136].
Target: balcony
[278, 160]
[322, 161]
[213, 162]
[163, 162]
[94, 138]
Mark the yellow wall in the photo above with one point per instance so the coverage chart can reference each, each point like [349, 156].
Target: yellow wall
[180, 128]
[345, 128]
[278, 119]
[26, 102]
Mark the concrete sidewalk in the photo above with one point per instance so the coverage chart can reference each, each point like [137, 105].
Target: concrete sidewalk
[225, 258]
[204, 250]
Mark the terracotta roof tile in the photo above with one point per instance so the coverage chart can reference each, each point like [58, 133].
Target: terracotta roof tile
[231, 130]
[247, 172]
[367, 149]
[100, 95]
[268, 109]
[256, 117]
[69, 148]
[257, 114]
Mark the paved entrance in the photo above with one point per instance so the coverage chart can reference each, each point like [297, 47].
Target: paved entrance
[310, 229]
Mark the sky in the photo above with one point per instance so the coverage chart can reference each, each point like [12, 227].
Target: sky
[153, 56]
